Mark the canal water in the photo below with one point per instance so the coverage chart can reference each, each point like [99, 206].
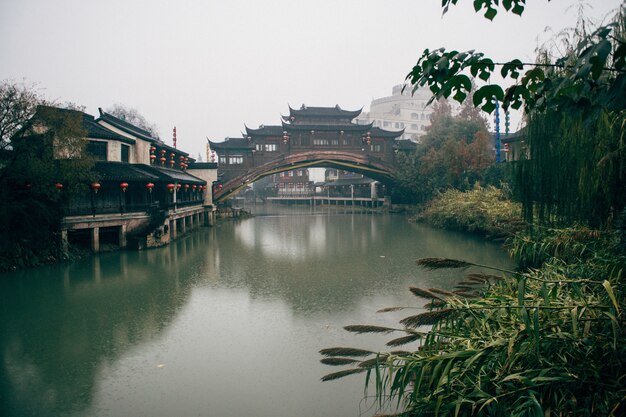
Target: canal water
[226, 321]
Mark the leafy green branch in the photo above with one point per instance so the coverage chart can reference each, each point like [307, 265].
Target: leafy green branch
[593, 77]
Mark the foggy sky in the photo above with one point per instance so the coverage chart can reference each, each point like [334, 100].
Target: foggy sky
[208, 67]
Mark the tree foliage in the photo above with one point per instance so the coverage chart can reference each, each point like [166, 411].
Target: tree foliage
[47, 148]
[575, 107]
[589, 78]
[132, 116]
[18, 103]
[454, 153]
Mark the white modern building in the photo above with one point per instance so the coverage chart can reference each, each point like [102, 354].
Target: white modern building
[401, 110]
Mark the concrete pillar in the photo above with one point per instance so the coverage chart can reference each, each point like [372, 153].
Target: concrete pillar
[122, 236]
[183, 226]
[64, 242]
[173, 229]
[373, 192]
[95, 239]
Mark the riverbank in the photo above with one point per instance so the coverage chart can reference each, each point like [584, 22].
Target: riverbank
[547, 336]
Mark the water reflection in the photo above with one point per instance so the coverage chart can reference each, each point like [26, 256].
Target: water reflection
[58, 325]
[226, 321]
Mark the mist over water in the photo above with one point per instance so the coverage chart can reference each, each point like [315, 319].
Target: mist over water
[226, 321]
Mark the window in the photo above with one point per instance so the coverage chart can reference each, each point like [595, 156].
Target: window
[414, 126]
[423, 116]
[346, 142]
[258, 146]
[235, 160]
[98, 150]
[397, 125]
[334, 141]
[385, 124]
[415, 116]
[320, 142]
[222, 159]
[125, 153]
[375, 148]
[423, 127]
[291, 173]
[270, 147]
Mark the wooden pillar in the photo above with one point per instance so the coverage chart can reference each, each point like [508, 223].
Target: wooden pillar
[95, 239]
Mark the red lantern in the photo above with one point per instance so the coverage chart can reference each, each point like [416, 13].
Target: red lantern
[149, 186]
[186, 186]
[172, 155]
[123, 186]
[95, 186]
[178, 186]
[194, 187]
[163, 151]
[171, 187]
[172, 164]
[58, 186]
[219, 186]
[204, 187]
[152, 158]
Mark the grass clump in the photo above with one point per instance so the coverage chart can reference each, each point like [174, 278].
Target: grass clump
[487, 211]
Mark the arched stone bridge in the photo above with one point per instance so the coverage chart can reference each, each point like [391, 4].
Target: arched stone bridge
[308, 137]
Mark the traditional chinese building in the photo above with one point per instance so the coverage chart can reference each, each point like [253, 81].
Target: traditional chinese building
[308, 129]
[141, 190]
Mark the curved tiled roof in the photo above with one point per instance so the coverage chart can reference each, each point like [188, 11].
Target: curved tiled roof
[265, 131]
[120, 171]
[125, 126]
[232, 143]
[348, 127]
[323, 112]
[377, 132]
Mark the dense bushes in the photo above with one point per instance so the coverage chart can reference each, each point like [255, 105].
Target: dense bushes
[487, 211]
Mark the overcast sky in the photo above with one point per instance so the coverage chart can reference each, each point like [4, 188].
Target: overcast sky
[210, 67]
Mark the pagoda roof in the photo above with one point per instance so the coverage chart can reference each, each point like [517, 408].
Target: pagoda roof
[377, 132]
[348, 127]
[232, 143]
[336, 111]
[124, 126]
[274, 130]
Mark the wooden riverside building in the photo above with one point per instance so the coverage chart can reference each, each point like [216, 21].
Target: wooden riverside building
[308, 129]
[144, 192]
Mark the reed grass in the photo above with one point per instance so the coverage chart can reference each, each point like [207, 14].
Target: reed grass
[548, 342]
